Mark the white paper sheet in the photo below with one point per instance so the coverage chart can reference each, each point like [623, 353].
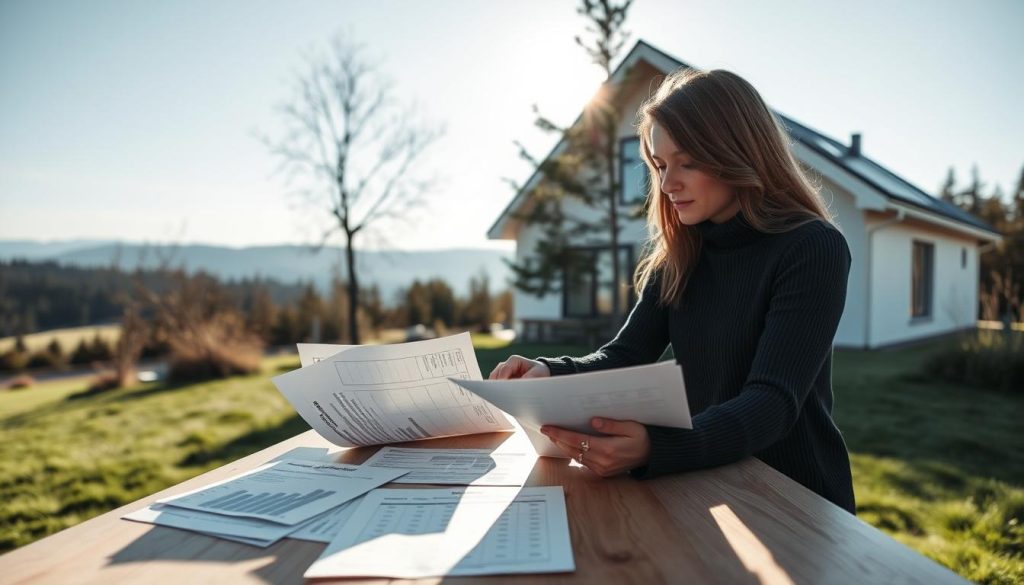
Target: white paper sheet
[245, 530]
[325, 527]
[651, 394]
[376, 394]
[286, 492]
[456, 466]
[313, 353]
[440, 532]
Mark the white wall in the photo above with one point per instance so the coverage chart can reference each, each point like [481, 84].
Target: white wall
[528, 306]
[851, 224]
[955, 290]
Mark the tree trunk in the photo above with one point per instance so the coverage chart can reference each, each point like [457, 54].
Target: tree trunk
[353, 290]
[613, 217]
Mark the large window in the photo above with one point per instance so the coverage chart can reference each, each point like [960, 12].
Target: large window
[587, 291]
[922, 280]
[632, 173]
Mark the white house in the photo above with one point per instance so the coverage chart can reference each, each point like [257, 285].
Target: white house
[915, 257]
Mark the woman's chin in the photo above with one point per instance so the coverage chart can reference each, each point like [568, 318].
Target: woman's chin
[687, 218]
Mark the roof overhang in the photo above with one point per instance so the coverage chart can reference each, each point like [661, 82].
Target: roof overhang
[867, 198]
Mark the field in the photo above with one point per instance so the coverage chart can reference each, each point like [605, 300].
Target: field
[934, 465]
[68, 338]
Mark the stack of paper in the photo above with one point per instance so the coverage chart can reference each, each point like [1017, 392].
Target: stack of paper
[270, 502]
[440, 532]
[369, 395]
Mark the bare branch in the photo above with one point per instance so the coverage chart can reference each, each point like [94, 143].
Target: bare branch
[343, 133]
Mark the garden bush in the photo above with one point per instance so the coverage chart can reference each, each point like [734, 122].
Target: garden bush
[216, 348]
[988, 359]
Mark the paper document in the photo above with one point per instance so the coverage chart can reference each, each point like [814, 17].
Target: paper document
[439, 532]
[652, 394]
[456, 466]
[376, 394]
[286, 492]
[325, 527]
[244, 530]
[313, 353]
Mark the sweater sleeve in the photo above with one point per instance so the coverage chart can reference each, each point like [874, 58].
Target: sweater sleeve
[809, 292]
[642, 339]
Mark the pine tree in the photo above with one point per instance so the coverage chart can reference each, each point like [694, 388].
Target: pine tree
[947, 192]
[582, 181]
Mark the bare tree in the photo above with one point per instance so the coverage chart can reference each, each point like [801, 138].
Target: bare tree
[357, 148]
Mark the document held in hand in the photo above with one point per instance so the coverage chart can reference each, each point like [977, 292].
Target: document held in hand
[652, 394]
[378, 394]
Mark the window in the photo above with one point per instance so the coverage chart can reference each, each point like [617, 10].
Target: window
[587, 290]
[963, 257]
[632, 173]
[922, 279]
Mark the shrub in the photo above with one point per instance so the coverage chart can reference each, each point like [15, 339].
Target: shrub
[216, 348]
[989, 359]
[42, 359]
[51, 357]
[14, 360]
[95, 350]
[109, 380]
[20, 381]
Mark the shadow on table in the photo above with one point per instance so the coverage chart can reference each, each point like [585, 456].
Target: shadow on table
[284, 562]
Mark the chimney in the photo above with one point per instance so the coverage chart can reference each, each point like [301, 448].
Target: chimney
[854, 149]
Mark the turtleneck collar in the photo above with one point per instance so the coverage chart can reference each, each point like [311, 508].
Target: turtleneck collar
[731, 234]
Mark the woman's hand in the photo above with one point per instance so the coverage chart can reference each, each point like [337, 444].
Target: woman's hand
[519, 367]
[626, 445]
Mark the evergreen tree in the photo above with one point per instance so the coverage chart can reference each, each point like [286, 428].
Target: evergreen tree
[478, 310]
[947, 192]
[1018, 198]
[310, 314]
[442, 302]
[970, 199]
[583, 175]
[261, 313]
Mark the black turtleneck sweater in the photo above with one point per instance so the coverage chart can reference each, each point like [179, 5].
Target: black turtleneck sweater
[753, 333]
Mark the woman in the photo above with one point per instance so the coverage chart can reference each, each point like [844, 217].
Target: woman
[746, 278]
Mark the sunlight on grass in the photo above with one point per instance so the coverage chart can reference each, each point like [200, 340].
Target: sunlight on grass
[65, 459]
[488, 341]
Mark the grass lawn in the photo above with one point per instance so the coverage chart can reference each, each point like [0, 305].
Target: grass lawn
[934, 465]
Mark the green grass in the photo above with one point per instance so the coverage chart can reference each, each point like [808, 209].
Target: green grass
[935, 465]
[68, 455]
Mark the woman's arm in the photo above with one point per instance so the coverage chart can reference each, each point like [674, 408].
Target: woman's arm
[803, 315]
[641, 340]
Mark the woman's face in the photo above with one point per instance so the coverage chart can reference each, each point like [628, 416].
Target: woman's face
[695, 195]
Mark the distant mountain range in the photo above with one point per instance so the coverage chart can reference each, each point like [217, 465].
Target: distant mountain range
[389, 270]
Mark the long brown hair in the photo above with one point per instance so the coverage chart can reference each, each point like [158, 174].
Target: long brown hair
[723, 124]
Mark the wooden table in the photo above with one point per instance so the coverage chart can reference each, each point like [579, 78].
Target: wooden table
[743, 523]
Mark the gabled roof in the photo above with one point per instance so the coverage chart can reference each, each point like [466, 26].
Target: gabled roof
[878, 177]
[883, 181]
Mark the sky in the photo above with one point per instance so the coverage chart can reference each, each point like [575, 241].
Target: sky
[137, 120]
